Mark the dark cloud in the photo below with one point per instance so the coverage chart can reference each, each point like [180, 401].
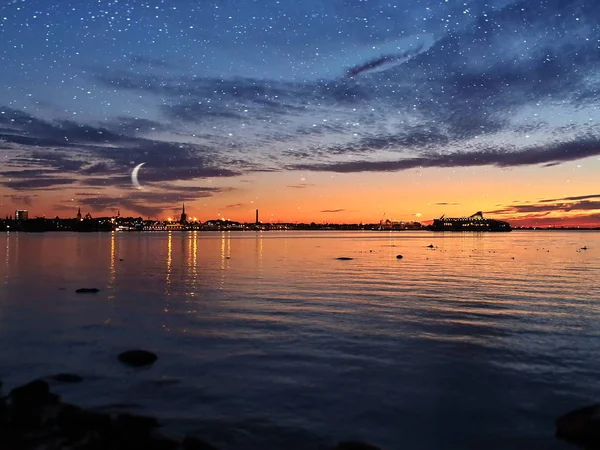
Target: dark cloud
[446, 204]
[106, 181]
[332, 210]
[41, 183]
[145, 202]
[556, 152]
[86, 194]
[21, 199]
[195, 112]
[545, 219]
[579, 197]
[468, 84]
[97, 168]
[235, 205]
[132, 126]
[584, 205]
[103, 203]
[27, 173]
[75, 149]
[300, 186]
[22, 128]
[61, 207]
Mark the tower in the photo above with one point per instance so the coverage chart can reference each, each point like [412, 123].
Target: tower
[183, 218]
[21, 214]
[78, 213]
[256, 221]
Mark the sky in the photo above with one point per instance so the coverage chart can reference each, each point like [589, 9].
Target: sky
[324, 111]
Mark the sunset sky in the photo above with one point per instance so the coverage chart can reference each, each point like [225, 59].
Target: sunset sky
[337, 110]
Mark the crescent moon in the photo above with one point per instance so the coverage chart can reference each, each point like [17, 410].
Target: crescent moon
[134, 176]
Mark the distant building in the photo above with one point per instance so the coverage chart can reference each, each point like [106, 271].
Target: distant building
[183, 218]
[78, 213]
[21, 214]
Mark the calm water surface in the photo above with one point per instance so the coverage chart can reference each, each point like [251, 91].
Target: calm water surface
[267, 341]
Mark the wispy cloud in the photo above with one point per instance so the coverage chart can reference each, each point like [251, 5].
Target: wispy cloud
[579, 197]
[332, 210]
[556, 152]
[21, 199]
[300, 186]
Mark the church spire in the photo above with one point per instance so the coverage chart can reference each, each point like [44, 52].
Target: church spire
[183, 215]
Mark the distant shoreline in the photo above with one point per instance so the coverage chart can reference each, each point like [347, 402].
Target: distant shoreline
[293, 230]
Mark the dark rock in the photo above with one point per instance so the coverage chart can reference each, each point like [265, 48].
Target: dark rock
[581, 427]
[344, 258]
[430, 246]
[32, 395]
[31, 417]
[351, 445]
[161, 443]
[26, 405]
[191, 443]
[87, 290]
[66, 378]
[141, 425]
[399, 256]
[72, 419]
[137, 358]
[121, 259]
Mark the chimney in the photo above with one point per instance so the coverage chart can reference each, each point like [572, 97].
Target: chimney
[257, 216]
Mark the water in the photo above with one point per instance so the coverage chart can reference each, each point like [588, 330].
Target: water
[267, 341]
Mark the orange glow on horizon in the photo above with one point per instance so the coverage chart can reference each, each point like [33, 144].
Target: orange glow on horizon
[523, 196]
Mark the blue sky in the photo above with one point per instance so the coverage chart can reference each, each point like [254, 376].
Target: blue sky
[225, 90]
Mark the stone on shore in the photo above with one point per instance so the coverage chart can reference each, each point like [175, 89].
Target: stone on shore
[581, 427]
[54, 425]
[399, 256]
[87, 290]
[32, 395]
[137, 358]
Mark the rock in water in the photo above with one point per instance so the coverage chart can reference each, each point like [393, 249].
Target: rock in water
[32, 395]
[66, 378]
[137, 358]
[344, 258]
[27, 404]
[87, 290]
[351, 445]
[581, 427]
[399, 256]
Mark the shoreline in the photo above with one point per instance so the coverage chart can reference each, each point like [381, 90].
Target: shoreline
[32, 417]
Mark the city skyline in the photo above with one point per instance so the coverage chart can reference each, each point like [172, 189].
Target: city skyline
[357, 112]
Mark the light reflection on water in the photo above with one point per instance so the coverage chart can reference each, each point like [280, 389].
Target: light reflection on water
[478, 342]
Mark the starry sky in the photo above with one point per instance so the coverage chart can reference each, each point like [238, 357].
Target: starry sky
[325, 111]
